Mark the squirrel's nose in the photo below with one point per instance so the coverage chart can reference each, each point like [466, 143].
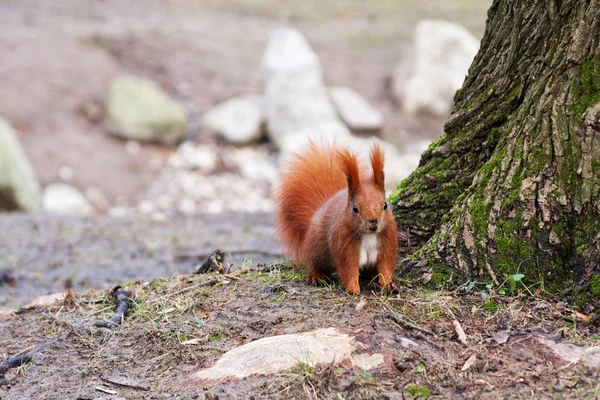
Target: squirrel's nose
[373, 225]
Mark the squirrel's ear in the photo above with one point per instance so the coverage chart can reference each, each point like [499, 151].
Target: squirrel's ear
[349, 165]
[377, 160]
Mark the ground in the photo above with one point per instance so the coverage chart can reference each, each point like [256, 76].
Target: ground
[181, 324]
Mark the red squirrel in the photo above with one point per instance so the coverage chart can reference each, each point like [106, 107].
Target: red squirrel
[332, 215]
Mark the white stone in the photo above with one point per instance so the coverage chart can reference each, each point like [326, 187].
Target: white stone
[194, 156]
[256, 165]
[444, 52]
[19, 188]
[280, 353]
[60, 198]
[298, 104]
[355, 110]
[237, 120]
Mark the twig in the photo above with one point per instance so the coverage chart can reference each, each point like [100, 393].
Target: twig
[125, 383]
[462, 337]
[122, 296]
[209, 282]
[26, 357]
[184, 256]
[409, 325]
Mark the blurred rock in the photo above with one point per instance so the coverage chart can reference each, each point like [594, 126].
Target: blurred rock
[203, 178]
[355, 110]
[237, 120]
[138, 109]
[444, 52]
[19, 188]
[194, 156]
[256, 164]
[60, 198]
[298, 104]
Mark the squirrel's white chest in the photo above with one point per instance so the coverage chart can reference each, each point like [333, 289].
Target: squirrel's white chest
[368, 250]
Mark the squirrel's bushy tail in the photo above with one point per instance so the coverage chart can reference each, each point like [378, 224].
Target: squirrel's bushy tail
[308, 180]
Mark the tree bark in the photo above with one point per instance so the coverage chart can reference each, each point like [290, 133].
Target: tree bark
[513, 184]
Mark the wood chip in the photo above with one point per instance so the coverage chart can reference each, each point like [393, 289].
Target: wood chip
[105, 390]
[469, 362]
[192, 341]
[462, 337]
[360, 305]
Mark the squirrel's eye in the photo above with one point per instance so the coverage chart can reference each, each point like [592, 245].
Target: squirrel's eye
[385, 205]
[355, 209]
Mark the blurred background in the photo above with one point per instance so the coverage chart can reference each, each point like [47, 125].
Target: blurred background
[164, 122]
[182, 106]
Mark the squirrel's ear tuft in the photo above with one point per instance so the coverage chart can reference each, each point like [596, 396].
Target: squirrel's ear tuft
[377, 160]
[349, 165]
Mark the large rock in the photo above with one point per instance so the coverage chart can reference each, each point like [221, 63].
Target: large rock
[276, 354]
[60, 198]
[444, 52]
[355, 110]
[237, 120]
[298, 104]
[138, 109]
[19, 188]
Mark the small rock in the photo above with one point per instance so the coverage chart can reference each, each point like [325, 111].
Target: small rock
[354, 110]
[19, 188]
[237, 120]
[60, 198]
[298, 105]
[444, 52]
[138, 109]
[194, 156]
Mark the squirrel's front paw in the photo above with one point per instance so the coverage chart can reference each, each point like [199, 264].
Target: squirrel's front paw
[353, 288]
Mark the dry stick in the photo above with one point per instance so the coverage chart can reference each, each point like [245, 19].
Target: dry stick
[24, 358]
[462, 337]
[122, 296]
[124, 383]
[183, 256]
[399, 319]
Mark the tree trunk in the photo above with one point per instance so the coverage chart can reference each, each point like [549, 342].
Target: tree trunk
[513, 184]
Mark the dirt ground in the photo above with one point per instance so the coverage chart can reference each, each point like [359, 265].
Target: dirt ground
[178, 325]
[60, 57]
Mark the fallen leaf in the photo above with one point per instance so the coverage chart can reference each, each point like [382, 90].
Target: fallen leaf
[501, 337]
[469, 362]
[361, 304]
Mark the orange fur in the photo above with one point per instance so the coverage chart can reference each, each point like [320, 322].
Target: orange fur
[327, 206]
